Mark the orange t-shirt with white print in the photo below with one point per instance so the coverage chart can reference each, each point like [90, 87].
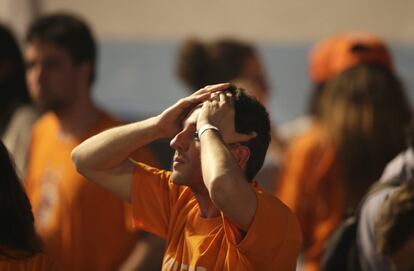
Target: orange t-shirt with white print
[311, 184]
[171, 211]
[83, 226]
[22, 261]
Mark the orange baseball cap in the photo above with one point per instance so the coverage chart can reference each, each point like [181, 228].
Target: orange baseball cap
[340, 52]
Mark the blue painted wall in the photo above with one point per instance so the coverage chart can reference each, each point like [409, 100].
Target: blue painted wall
[137, 79]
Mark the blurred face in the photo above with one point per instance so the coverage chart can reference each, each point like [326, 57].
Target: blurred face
[253, 79]
[52, 76]
[186, 168]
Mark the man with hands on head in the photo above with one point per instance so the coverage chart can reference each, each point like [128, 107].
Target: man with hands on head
[210, 213]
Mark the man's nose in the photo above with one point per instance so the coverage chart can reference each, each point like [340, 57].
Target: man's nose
[179, 142]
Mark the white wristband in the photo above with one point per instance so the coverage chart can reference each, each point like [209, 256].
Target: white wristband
[206, 127]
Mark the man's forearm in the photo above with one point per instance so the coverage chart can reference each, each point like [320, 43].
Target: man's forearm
[111, 147]
[225, 181]
[103, 158]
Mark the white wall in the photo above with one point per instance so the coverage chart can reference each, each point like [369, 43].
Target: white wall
[260, 20]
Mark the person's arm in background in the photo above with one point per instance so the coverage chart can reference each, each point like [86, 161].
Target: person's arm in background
[103, 158]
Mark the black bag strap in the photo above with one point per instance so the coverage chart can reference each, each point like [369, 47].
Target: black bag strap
[342, 254]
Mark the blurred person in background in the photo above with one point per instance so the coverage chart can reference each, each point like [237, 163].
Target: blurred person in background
[83, 226]
[362, 113]
[20, 246]
[328, 58]
[230, 60]
[17, 114]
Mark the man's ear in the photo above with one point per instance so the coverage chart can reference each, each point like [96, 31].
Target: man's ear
[242, 155]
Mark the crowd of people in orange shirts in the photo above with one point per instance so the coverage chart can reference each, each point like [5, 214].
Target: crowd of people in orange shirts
[242, 193]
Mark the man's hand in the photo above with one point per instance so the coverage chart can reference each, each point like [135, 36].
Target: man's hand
[169, 121]
[219, 112]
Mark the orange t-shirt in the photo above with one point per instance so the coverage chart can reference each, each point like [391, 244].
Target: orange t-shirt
[195, 243]
[310, 184]
[83, 226]
[20, 262]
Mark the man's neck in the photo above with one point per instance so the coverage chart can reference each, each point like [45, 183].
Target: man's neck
[78, 119]
[207, 207]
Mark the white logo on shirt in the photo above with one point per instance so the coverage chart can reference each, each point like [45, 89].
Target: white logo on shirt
[170, 264]
[49, 197]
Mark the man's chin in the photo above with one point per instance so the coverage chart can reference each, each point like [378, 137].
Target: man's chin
[177, 178]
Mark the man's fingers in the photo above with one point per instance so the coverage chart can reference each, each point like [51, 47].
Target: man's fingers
[228, 96]
[217, 87]
[207, 92]
[202, 97]
[214, 96]
[222, 97]
[213, 88]
[195, 99]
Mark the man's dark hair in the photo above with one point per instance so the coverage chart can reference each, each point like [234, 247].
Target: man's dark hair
[396, 223]
[69, 32]
[251, 116]
[13, 86]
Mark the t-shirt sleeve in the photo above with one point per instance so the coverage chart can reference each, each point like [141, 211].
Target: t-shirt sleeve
[273, 238]
[152, 197]
[146, 156]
